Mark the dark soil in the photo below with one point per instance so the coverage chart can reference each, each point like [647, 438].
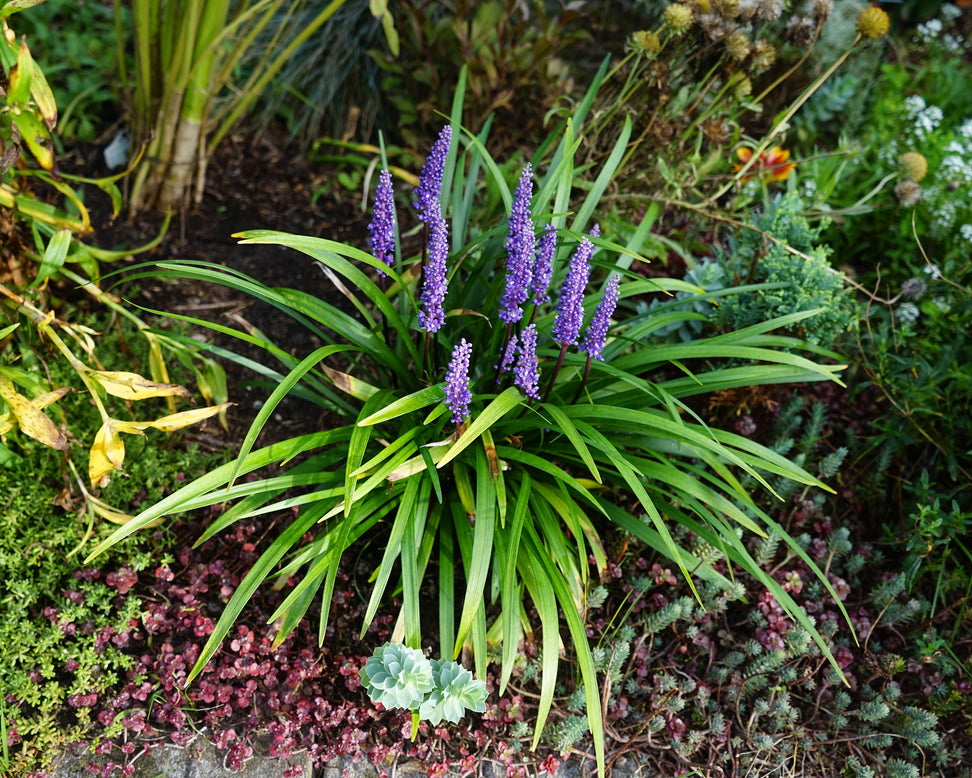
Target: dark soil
[251, 184]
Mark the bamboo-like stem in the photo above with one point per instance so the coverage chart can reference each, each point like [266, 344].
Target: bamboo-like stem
[191, 117]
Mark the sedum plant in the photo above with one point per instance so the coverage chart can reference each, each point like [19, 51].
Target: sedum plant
[401, 677]
[497, 414]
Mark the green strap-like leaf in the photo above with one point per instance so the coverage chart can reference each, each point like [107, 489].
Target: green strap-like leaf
[412, 402]
[502, 404]
[477, 570]
[251, 581]
[509, 592]
[393, 547]
[567, 427]
[218, 478]
[411, 580]
[360, 435]
[336, 255]
[582, 651]
[604, 178]
[276, 397]
[447, 586]
[541, 591]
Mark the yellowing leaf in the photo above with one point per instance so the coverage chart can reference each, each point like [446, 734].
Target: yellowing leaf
[177, 421]
[31, 419]
[106, 511]
[131, 386]
[50, 397]
[357, 388]
[107, 452]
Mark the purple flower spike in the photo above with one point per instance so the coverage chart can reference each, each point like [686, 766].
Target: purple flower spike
[570, 308]
[597, 331]
[507, 361]
[519, 245]
[527, 371]
[430, 179]
[457, 394]
[432, 315]
[543, 265]
[382, 227]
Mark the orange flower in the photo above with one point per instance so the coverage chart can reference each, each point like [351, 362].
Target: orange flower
[772, 164]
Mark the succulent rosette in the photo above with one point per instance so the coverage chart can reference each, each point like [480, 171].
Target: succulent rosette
[455, 691]
[397, 676]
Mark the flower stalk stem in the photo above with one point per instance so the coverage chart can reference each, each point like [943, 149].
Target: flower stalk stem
[583, 383]
[556, 370]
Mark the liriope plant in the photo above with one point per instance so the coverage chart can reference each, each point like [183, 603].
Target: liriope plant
[499, 413]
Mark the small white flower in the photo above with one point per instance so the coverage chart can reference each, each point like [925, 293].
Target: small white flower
[966, 232]
[950, 12]
[929, 31]
[952, 43]
[908, 312]
[954, 168]
[915, 105]
[933, 270]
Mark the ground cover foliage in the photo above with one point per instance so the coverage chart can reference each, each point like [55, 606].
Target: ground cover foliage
[789, 598]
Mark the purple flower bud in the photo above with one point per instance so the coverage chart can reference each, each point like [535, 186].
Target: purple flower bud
[430, 179]
[570, 308]
[457, 394]
[596, 333]
[543, 265]
[519, 245]
[382, 227]
[432, 315]
[507, 361]
[527, 371]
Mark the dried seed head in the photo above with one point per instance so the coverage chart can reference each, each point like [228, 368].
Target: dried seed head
[737, 45]
[908, 193]
[727, 9]
[770, 10]
[764, 55]
[747, 10]
[714, 27]
[913, 289]
[873, 22]
[915, 165]
[716, 131]
[801, 30]
[821, 9]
